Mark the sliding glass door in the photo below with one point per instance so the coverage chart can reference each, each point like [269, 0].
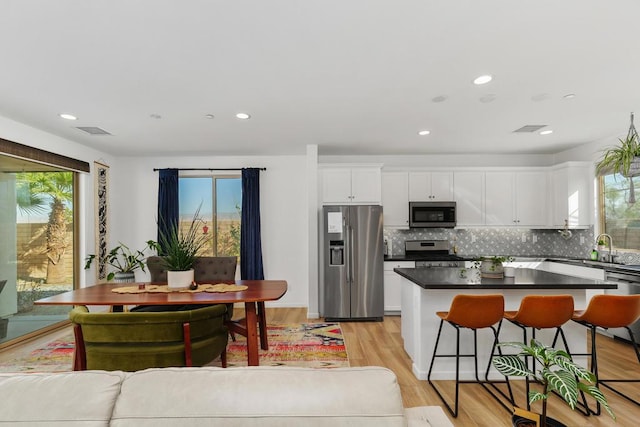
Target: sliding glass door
[37, 244]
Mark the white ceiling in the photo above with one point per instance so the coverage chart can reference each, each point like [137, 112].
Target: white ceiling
[352, 76]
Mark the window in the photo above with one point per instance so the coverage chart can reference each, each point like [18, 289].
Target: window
[220, 200]
[37, 247]
[619, 218]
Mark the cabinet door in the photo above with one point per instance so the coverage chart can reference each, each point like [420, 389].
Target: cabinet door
[442, 186]
[570, 189]
[336, 186]
[392, 288]
[395, 199]
[366, 186]
[419, 186]
[499, 198]
[531, 198]
[468, 190]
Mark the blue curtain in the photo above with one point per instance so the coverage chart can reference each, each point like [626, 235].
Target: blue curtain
[250, 243]
[168, 209]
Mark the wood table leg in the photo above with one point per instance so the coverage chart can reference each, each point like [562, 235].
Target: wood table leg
[252, 333]
[262, 320]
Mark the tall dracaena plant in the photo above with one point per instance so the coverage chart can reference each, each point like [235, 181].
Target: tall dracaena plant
[558, 374]
[180, 247]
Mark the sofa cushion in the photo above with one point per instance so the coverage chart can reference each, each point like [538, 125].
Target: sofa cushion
[61, 399]
[260, 396]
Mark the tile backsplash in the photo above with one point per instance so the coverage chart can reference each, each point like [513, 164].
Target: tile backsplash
[500, 241]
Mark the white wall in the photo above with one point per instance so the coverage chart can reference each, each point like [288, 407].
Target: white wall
[283, 198]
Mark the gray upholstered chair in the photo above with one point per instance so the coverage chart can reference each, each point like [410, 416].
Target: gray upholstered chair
[205, 269]
[214, 268]
[157, 269]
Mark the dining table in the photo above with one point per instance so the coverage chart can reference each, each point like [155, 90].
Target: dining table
[257, 292]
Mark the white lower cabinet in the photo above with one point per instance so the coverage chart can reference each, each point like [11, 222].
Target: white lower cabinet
[392, 290]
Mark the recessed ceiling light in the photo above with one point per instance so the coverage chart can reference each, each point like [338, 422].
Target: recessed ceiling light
[424, 132]
[68, 116]
[439, 98]
[155, 116]
[209, 116]
[569, 96]
[546, 132]
[243, 116]
[482, 79]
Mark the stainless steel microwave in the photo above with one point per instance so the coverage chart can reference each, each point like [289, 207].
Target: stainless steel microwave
[432, 214]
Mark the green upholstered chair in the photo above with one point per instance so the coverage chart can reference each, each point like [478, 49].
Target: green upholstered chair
[138, 340]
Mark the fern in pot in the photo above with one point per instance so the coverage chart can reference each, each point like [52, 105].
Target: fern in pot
[558, 373]
[179, 248]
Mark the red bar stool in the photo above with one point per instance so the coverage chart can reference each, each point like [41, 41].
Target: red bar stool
[471, 312]
[543, 312]
[610, 311]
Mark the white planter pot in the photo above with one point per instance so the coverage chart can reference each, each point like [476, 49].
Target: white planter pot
[509, 271]
[179, 279]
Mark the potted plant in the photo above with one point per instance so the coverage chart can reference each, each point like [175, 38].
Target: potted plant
[558, 373]
[179, 248]
[491, 267]
[124, 261]
[623, 159]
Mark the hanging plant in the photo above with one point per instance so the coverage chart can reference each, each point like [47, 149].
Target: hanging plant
[623, 159]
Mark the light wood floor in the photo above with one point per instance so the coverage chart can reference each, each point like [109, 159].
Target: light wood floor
[380, 344]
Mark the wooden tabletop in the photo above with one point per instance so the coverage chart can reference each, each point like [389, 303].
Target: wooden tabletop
[101, 294]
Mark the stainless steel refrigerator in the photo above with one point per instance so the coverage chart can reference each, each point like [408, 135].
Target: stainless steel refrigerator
[353, 263]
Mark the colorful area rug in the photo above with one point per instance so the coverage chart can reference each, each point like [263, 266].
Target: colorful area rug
[314, 345]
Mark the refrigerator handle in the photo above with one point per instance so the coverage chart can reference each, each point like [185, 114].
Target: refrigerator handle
[350, 254]
[347, 251]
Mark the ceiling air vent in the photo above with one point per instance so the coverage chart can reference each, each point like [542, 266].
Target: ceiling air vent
[529, 128]
[92, 130]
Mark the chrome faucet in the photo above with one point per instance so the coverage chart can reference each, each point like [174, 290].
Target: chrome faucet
[608, 258]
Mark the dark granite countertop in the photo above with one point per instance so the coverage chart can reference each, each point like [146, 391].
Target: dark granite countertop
[525, 278]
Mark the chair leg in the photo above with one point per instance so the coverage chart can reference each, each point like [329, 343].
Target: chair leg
[223, 357]
[604, 382]
[510, 398]
[453, 412]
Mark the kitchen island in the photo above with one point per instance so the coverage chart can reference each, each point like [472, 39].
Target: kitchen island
[427, 290]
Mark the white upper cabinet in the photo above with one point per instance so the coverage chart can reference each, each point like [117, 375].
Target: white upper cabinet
[430, 186]
[516, 198]
[351, 185]
[531, 198]
[468, 192]
[395, 199]
[498, 201]
[571, 190]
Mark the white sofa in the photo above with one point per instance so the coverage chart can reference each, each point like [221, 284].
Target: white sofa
[209, 396]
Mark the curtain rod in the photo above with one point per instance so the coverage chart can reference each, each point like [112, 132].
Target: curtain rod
[205, 169]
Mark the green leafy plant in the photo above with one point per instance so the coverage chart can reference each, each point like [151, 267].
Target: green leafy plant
[495, 261]
[180, 247]
[619, 159]
[558, 373]
[123, 259]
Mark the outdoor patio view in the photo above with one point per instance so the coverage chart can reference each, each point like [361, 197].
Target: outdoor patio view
[37, 245]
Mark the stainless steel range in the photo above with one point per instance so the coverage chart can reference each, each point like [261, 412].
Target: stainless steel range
[627, 278]
[432, 253]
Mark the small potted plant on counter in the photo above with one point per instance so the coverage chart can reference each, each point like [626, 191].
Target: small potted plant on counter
[558, 374]
[124, 261]
[491, 267]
